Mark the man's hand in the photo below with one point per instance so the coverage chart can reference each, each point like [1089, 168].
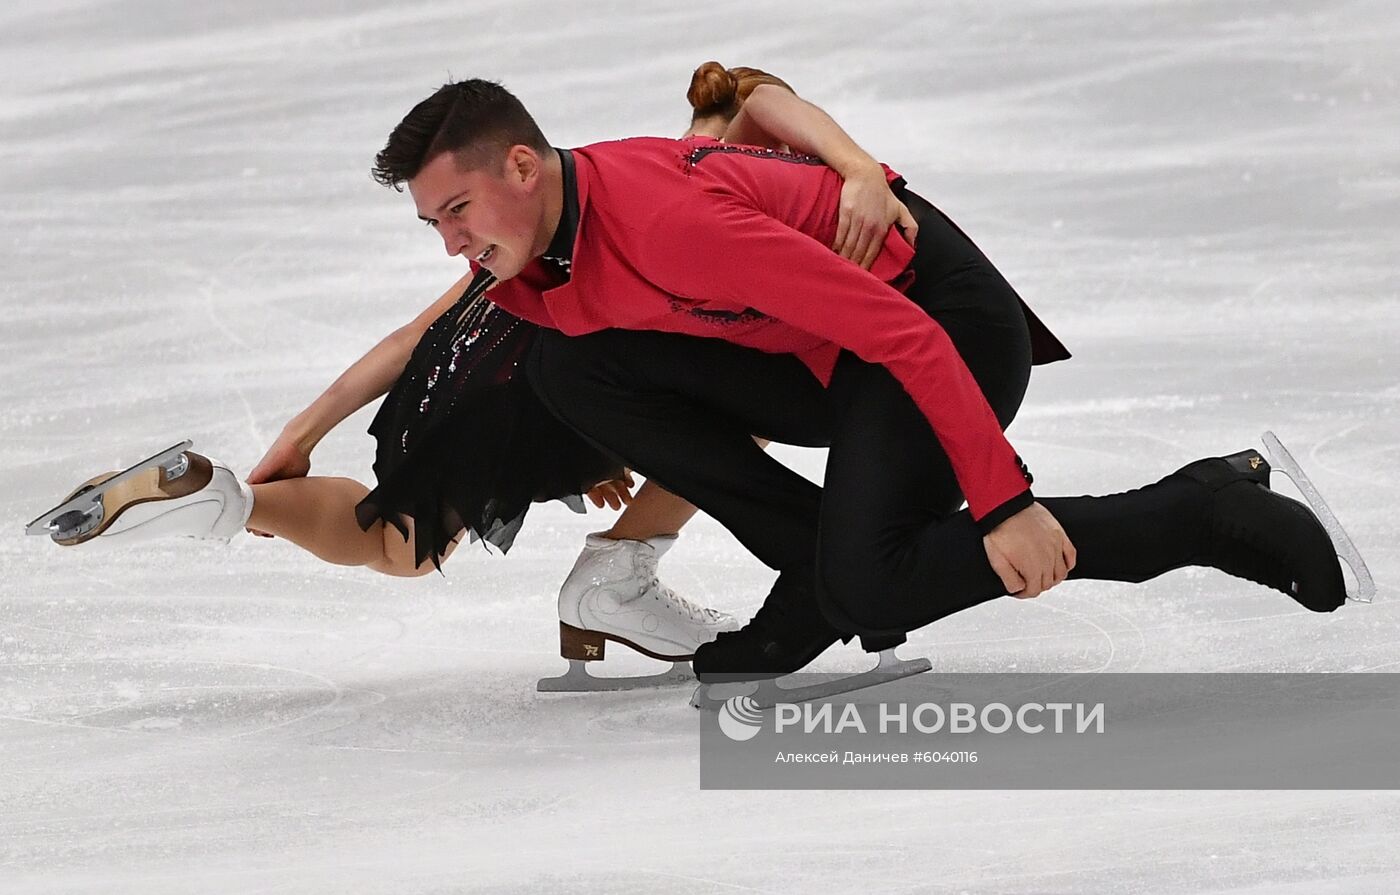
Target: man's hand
[868, 209]
[614, 492]
[1030, 552]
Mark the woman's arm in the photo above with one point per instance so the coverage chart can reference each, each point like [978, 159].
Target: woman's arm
[366, 379]
[772, 116]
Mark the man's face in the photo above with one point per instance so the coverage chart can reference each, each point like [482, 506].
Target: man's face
[490, 215]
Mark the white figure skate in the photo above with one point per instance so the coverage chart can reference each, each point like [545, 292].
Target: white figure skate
[613, 594]
[175, 493]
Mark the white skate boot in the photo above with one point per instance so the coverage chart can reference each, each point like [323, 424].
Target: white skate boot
[613, 594]
[176, 493]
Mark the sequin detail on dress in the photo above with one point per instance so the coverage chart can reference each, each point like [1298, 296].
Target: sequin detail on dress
[698, 153]
[464, 443]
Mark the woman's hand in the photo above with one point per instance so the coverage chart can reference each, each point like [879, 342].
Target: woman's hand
[868, 209]
[614, 492]
[286, 459]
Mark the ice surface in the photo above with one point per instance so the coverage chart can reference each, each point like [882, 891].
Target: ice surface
[1201, 199]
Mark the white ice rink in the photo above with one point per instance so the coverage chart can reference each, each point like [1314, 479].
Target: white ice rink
[1202, 200]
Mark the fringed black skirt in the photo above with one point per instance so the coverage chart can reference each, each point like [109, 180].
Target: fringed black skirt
[463, 443]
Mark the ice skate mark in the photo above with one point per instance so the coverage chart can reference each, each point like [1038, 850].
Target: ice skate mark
[336, 692]
[1103, 632]
[1391, 664]
[1178, 447]
[1098, 630]
[1262, 285]
[1132, 627]
[58, 631]
[1110, 409]
[1315, 460]
[704, 880]
[240, 812]
[371, 645]
[1135, 629]
[215, 688]
[1059, 447]
[103, 728]
[639, 715]
[1143, 63]
[509, 745]
[407, 793]
[1221, 622]
[252, 419]
[443, 733]
[351, 711]
[207, 291]
[339, 700]
[392, 750]
[1265, 664]
[381, 647]
[249, 629]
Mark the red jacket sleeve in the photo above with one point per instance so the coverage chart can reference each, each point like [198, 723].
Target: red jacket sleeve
[721, 249]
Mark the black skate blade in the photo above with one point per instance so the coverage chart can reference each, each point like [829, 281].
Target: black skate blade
[1347, 552]
[84, 502]
[578, 680]
[767, 694]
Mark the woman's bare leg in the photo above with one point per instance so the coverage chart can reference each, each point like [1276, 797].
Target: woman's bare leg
[317, 513]
[655, 511]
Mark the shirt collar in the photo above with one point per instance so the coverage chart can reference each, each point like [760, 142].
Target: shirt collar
[560, 252]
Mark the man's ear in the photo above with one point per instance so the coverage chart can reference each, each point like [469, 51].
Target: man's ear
[522, 165]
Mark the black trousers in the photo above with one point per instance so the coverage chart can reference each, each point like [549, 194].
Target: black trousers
[885, 547]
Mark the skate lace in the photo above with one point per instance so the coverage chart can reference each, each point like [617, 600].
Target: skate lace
[646, 566]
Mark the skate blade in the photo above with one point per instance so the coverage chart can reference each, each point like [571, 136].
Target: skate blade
[578, 680]
[1284, 462]
[767, 694]
[88, 500]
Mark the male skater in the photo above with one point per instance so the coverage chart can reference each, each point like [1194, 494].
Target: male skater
[698, 303]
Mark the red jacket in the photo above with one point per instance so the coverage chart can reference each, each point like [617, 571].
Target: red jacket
[707, 239]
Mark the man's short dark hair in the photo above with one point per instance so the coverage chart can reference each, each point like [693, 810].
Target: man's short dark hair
[475, 120]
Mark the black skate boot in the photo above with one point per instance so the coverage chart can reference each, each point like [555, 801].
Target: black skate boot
[1265, 537]
[786, 633]
[878, 643]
